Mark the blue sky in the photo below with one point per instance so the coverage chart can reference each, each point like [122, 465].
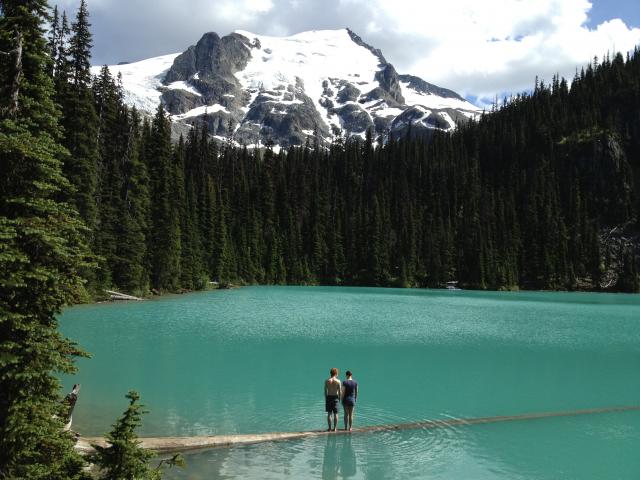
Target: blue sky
[601, 11]
[481, 49]
[627, 10]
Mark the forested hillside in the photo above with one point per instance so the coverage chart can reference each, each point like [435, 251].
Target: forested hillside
[540, 193]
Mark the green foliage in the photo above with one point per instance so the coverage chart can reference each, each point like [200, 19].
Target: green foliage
[70, 51]
[80, 47]
[42, 252]
[519, 198]
[123, 191]
[176, 460]
[123, 458]
[164, 240]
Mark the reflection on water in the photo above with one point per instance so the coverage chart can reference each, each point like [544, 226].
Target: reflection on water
[348, 466]
[339, 460]
[330, 464]
[585, 448]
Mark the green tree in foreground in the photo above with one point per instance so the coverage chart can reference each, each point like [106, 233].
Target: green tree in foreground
[41, 254]
[124, 458]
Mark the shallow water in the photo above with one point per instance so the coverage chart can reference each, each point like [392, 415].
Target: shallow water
[254, 359]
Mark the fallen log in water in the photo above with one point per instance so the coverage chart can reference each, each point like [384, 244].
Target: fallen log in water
[121, 296]
[166, 445]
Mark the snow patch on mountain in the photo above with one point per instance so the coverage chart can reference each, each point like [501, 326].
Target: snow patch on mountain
[287, 89]
[180, 85]
[141, 80]
[413, 97]
[204, 110]
[309, 58]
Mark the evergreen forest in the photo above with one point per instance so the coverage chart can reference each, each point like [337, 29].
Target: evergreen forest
[540, 193]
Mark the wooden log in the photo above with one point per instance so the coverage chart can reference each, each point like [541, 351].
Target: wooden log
[121, 296]
[167, 445]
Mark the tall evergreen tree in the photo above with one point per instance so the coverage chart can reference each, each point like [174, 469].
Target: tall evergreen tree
[164, 240]
[59, 56]
[80, 123]
[41, 254]
[129, 271]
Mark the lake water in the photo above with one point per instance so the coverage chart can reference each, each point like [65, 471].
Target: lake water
[254, 360]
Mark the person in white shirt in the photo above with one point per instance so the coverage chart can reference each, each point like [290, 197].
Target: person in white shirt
[332, 393]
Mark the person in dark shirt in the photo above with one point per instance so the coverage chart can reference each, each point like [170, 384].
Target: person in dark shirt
[349, 397]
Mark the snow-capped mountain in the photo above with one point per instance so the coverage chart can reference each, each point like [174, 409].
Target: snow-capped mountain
[286, 89]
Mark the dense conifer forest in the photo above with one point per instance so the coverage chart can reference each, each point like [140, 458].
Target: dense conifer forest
[539, 193]
[43, 253]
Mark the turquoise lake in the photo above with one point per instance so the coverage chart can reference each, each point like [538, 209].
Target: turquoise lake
[254, 360]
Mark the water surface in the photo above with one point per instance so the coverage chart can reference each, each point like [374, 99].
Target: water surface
[254, 359]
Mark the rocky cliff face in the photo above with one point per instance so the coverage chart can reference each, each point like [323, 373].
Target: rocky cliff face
[287, 90]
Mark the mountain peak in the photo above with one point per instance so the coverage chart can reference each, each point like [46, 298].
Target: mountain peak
[287, 89]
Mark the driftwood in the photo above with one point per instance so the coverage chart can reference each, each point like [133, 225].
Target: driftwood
[167, 445]
[121, 296]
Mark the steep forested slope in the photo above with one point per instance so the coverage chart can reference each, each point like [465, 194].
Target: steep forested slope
[539, 193]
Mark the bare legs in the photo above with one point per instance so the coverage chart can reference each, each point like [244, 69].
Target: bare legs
[348, 417]
[335, 421]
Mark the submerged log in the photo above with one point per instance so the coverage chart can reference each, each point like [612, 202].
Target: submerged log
[166, 445]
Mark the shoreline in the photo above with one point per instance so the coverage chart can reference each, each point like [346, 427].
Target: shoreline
[159, 296]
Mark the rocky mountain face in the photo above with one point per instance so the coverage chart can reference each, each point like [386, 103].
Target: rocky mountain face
[313, 85]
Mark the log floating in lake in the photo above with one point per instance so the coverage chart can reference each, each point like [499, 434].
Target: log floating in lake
[166, 445]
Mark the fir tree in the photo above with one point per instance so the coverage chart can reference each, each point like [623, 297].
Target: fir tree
[41, 255]
[123, 458]
[80, 48]
[80, 124]
[164, 240]
[59, 56]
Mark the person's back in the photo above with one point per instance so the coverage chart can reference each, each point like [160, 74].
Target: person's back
[349, 397]
[332, 387]
[349, 387]
[332, 393]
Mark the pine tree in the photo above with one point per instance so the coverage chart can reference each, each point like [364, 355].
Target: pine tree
[41, 254]
[80, 48]
[59, 55]
[54, 38]
[80, 125]
[130, 273]
[164, 240]
[80, 121]
[124, 458]
[111, 145]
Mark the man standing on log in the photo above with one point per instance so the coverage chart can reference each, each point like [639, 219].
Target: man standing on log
[332, 392]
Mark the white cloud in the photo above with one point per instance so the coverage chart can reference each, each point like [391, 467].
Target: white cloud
[495, 46]
[481, 48]
[242, 10]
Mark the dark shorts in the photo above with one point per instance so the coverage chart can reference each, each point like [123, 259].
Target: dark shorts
[349, 402]
[331, 403]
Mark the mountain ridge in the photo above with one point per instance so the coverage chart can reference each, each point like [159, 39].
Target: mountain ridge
[315, 85]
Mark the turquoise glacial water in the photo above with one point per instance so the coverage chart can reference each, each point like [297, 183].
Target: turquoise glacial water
[254, 360]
